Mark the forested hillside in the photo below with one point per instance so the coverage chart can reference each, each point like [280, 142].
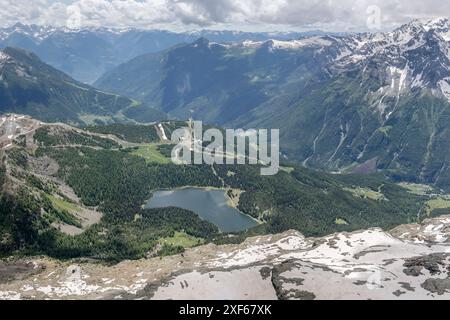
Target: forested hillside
[29, 86]
[116, 181]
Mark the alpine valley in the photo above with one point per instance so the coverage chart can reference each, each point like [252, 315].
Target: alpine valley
[357, 103]
[29, 86]
[359, 208]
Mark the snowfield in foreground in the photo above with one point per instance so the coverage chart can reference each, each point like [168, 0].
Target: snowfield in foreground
[410, 262]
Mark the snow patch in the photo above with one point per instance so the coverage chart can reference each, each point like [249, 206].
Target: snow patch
[398, 78]
[9, 295]
[440, 25]
[163, 132]
[3, 56]
[289, 45]
[444, 85]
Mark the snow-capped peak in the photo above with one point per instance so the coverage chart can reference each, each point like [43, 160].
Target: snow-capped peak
[441, 26]
[405, 33]
[437, 24]
[38, 33]
[3, 56]
[289, 44]
[415, 55]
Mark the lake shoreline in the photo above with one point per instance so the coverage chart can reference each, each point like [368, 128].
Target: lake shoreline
[230, 201]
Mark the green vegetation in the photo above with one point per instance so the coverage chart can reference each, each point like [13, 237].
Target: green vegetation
[45, 136]
[49, 95]
[2, 175]
[365, 193]
[63, 205]
[311, 201]
[420, 189]
[18, 156]
[119, 181]
[439, 203]
[60, 211]
[287, 169]
[127, 238]
[181, 239]
[151, 154]
[166, 150]
[21, 141]
[252, 88]
[39, 185]
[24, 231]
[340, 221]
[130, 133]
[19, 223]
[385, 130]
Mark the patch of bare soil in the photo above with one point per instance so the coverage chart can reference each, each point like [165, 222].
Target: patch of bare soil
[18, 270]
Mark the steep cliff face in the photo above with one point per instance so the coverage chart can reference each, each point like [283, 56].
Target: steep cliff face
[410, 262]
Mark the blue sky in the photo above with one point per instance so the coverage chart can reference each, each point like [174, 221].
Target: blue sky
[335, 15]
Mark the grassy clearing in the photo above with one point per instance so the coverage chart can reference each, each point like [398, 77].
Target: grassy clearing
[419, 189]
[385, 130]
[64, 211]
[231, 174]
[366, 193]
[183, 240]
[287, 169]
[341, 222]
[91, 119]
[438, 203]
[63, 205]
[151, 154]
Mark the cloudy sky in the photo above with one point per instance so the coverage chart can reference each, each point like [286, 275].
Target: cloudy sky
[329, 15]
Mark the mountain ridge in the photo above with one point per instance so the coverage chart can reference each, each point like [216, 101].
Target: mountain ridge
[348, 100]
[29, 86]
[64, 48]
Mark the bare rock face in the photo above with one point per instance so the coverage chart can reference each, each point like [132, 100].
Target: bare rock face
[369, 264]
[433, 263]
[439, 286]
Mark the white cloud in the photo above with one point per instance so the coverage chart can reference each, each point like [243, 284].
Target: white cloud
[239, 14]
[21, 10]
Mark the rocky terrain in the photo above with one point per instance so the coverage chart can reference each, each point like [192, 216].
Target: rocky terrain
[12, 126]
[410, 262]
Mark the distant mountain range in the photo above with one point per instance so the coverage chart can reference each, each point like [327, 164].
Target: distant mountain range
[347, 103]
[29, 86]
[359, 103]
[85, 54]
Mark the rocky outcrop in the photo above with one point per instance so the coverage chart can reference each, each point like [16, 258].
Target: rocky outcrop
[369, 264]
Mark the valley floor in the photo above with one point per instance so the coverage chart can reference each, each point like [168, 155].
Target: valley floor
[409, 262]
